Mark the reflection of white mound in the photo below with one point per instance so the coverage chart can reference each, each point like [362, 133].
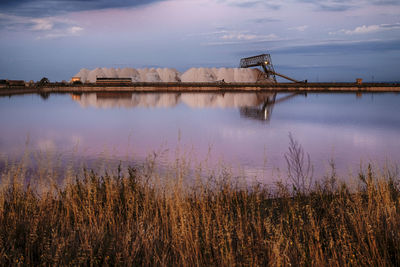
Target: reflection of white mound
[157, 100]
[154, 100]
[137, 100]
[229, 75]
[227, 100]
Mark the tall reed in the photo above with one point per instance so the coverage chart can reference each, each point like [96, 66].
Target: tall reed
[131, 219]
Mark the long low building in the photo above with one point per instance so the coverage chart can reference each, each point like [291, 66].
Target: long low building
[114, 81]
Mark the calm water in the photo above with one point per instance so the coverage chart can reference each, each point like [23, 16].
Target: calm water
[249, 130]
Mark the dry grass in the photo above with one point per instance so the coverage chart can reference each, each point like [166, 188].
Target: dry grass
[131, 219]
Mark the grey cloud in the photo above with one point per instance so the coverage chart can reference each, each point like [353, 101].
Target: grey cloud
[263, 20]
[252, 3]
[45, 27]
[342, 47]
[40, 8]
[390, 26]
[15, 23]
[386, 2]
[331, 5]
[317, 67]
[343, 5]
[366, 29]
[242, 42]
[335, 8]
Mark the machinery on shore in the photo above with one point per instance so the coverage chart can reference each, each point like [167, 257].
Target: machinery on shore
[264, 61]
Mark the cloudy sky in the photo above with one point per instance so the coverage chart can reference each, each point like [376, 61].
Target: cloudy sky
[318, 40]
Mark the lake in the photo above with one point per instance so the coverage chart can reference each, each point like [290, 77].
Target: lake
[246, 132]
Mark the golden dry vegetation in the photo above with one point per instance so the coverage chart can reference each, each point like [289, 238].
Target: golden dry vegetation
[136, 219]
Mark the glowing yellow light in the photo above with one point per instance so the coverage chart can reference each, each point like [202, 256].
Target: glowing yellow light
[266, 62]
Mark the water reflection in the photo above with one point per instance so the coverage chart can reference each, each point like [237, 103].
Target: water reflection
[44, 96]
[167, 100]
[257, 106]
[261, 112]
[339, 126]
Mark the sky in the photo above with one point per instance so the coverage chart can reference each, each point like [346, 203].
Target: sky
[317, 40]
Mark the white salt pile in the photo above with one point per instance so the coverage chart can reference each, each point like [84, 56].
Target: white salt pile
[129, 73]
[149, 75]
[199, 75]
[137, 75]
[83, 74]
[169, 75]
[229, 75]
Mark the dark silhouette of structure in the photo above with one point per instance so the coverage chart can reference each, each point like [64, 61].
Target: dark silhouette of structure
[265, 61]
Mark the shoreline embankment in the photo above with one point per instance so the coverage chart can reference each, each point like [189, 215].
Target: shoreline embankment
[203, 87]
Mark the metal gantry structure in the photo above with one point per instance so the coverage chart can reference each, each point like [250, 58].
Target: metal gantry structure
[264, 61]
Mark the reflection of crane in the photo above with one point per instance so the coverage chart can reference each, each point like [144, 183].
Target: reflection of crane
[263, 111]
[265, 62]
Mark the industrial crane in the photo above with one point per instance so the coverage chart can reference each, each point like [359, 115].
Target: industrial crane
[264, 61]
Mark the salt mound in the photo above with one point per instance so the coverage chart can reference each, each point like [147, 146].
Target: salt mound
[98, 72]
[229, 75]
[151, 75]
[110, 73]
[199, 75]
[129, 73]
[83, 73]
[225, 74]
[249, 75]
[169, 75]
[142, 73]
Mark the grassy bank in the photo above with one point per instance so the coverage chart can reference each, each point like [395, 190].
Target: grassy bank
[129, 219]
